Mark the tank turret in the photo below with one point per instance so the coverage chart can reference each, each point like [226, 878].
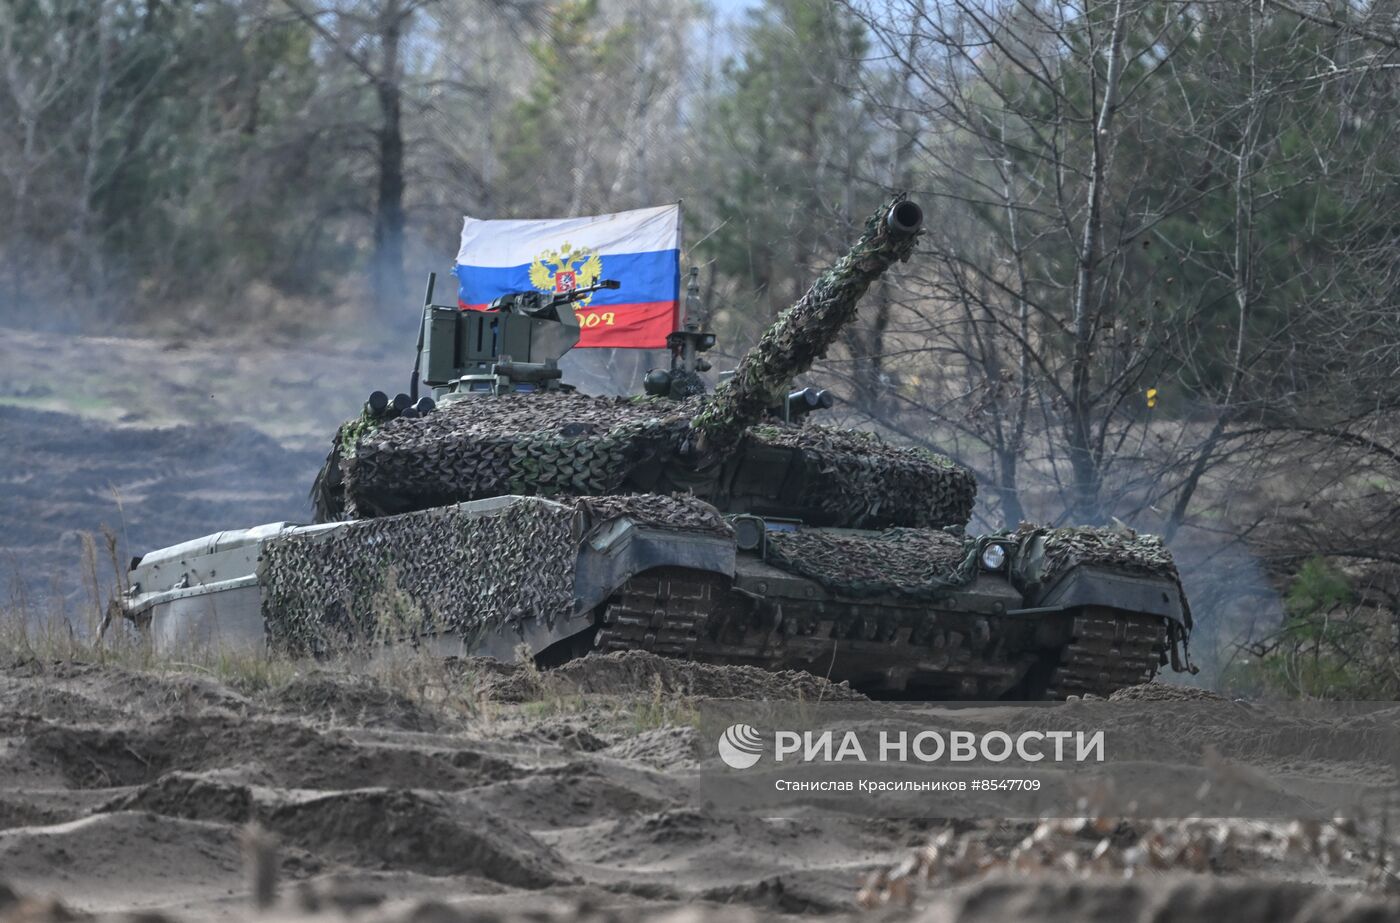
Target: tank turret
[745, 447]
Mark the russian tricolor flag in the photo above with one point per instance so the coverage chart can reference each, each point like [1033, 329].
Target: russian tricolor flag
[640, 249]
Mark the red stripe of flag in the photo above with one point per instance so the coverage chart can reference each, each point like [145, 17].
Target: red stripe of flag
[622, 326]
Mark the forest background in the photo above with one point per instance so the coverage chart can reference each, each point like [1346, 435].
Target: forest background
[1157, 287]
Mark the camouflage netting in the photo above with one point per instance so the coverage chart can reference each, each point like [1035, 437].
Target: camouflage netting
[557, 444]
[1113, 548]
[420, 571]
[866, 480]
[443, 569]
[676, 514]
[545, 444]
[918, 563]
[802, 334]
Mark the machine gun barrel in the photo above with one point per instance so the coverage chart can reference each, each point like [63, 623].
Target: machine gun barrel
[579, 294]
[547, 305]
[804, 331]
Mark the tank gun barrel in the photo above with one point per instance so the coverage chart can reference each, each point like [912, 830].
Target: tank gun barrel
[806, 330]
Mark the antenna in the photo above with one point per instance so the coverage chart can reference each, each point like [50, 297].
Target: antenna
[418, 353]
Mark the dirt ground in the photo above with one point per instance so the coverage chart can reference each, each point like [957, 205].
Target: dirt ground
[162, 440]
[162, 793]
[167, 793]
[62, 475]
[153, 440]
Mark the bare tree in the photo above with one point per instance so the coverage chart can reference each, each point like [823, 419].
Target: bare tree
[369, 36]
[1159, 283]
[43, 78]
[1076, 156]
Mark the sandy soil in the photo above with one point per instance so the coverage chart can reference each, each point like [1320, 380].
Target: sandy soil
[555, 796]
[62, 475]
[126, 791]
[163, 440]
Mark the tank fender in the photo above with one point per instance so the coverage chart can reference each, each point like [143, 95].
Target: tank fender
[605, 562]
[624, 549]
[1086, 585]
[1093, 584]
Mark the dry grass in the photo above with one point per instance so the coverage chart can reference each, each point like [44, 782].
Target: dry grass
[93, 631]
[1083, 847]
[96, 633]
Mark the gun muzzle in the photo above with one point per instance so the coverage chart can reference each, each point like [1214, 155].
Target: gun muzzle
[378, 400]
[904, 219]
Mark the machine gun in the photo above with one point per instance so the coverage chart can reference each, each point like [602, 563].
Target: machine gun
[546, 305]
[514, 345]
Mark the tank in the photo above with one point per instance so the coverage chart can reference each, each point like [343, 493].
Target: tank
[503, 513]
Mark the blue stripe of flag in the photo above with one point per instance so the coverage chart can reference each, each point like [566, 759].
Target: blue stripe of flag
[645, 277]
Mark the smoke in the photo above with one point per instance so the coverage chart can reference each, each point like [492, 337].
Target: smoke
[41, 298]
[1231, 597]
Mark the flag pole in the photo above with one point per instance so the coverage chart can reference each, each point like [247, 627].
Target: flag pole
[682, 315]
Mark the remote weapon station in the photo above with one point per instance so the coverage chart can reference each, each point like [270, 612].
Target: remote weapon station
[501, 508]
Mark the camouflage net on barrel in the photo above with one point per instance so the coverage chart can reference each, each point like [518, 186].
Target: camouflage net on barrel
[917, 563]
[444, 569]
[1112, 548]
[801, 334]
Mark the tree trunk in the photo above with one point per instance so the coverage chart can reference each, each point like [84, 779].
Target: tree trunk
[389, 214]
[1083, 459]
[1008, 488]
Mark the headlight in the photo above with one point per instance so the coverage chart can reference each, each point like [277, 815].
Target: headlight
[748, 532]
[994, 556]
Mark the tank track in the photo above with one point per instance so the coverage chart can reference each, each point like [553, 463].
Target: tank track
[669, 613]
[1111, 650]
[660, 613]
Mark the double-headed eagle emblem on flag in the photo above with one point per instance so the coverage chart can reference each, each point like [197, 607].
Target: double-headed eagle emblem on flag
[565, 257]
[568, 268]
